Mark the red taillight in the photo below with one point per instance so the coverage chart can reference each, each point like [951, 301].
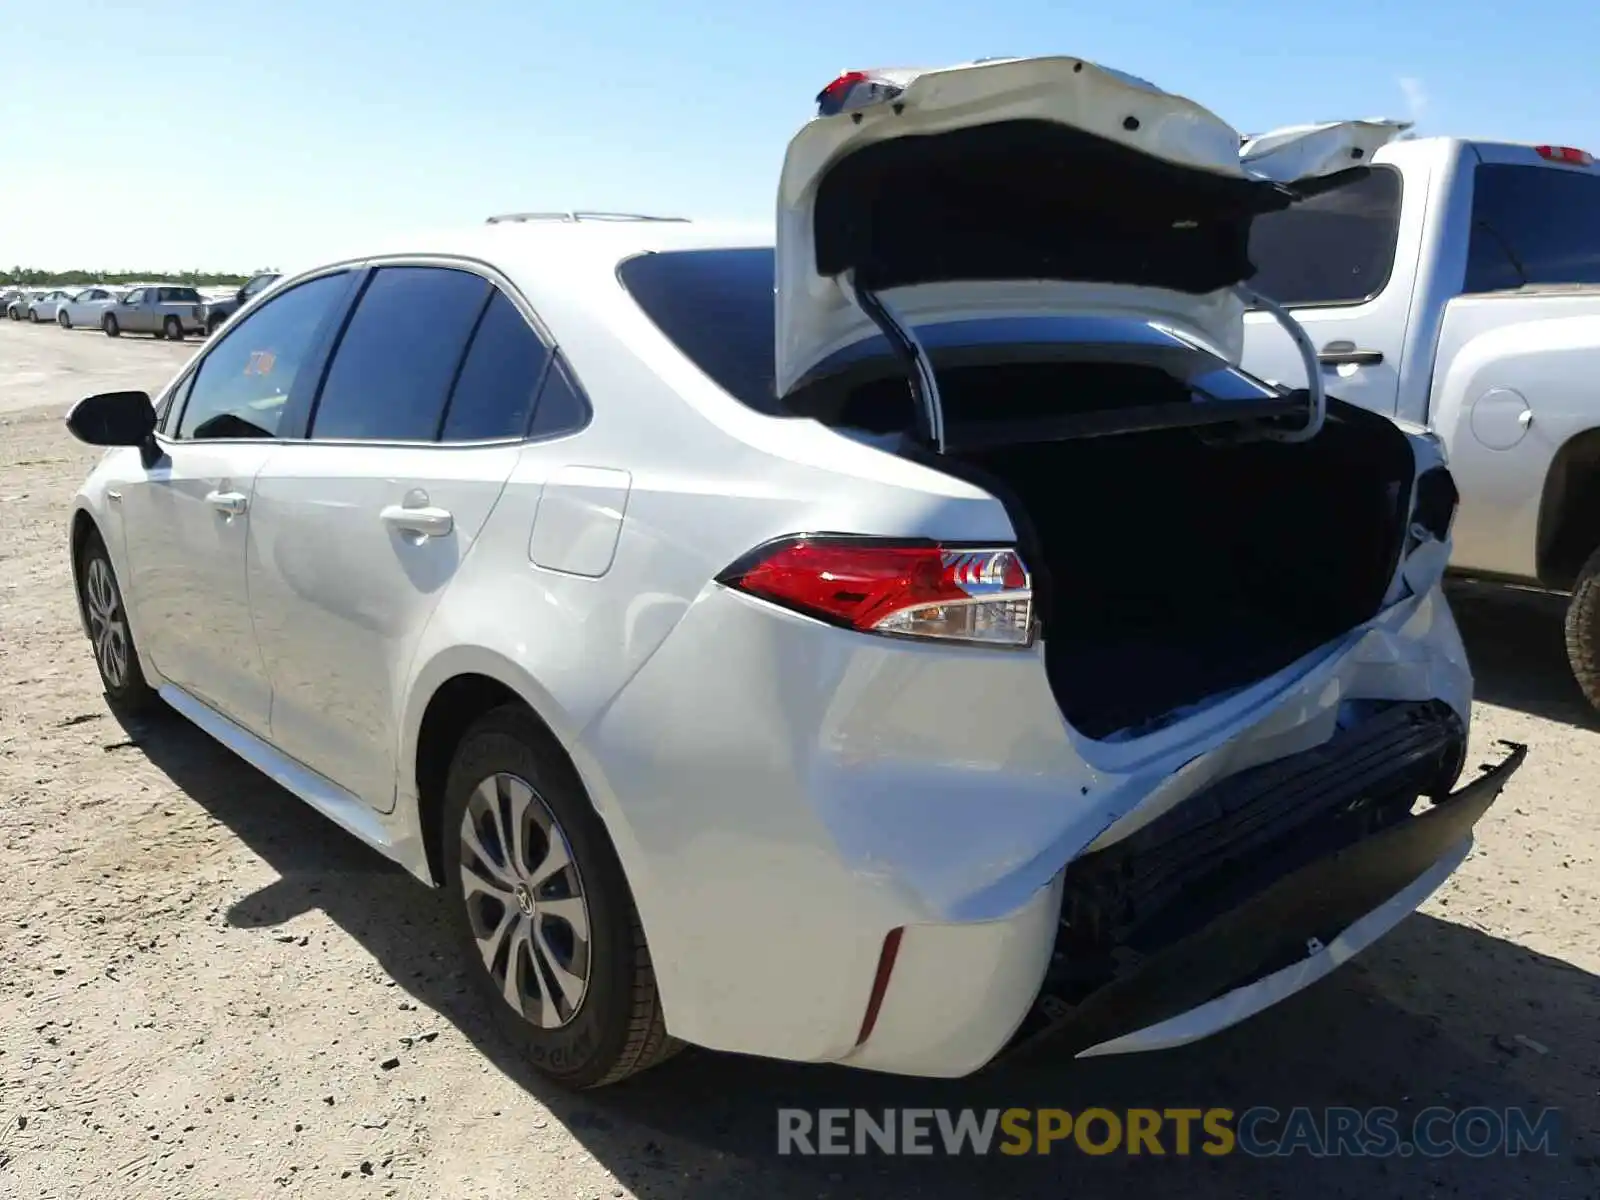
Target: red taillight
[1565, 154]
[840, 87]
[911, 589]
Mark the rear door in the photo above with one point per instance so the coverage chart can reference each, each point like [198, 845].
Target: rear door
[361, 527]
[1336, 262]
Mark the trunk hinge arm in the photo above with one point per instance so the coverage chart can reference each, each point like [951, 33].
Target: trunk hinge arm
[1308, 358]
[924, 385]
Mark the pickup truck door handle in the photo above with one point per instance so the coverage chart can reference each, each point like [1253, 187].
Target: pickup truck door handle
[1336, 354]
[429, 522]
[231, 503]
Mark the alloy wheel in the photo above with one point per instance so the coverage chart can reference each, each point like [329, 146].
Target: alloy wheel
[108, 625]
[525, 901]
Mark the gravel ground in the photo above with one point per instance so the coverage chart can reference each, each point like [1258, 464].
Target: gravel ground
[207, 990]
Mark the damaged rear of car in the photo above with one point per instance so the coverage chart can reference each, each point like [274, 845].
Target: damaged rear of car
[1185, 736]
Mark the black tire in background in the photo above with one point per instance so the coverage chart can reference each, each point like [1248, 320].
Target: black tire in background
[615, 1028]
[1583, 629]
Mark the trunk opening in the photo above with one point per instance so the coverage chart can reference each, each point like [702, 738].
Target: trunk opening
[1170, 567]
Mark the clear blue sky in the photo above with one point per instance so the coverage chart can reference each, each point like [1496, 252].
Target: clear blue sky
[232, 134]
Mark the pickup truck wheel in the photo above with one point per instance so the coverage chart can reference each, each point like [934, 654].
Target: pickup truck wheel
[1583, 629]
[109, 324]
[214, 324]
[172, 329]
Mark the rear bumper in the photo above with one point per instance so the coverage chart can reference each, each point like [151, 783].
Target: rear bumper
[1283, 938]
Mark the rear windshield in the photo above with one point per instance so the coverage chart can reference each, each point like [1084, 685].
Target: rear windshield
[1336, 248]
[720, 308]
[1533, 226]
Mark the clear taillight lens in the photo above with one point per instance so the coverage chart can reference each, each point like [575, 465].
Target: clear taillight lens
[906, 589]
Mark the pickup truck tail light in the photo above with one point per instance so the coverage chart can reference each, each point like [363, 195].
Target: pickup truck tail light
[1569, 155]
[911, 589]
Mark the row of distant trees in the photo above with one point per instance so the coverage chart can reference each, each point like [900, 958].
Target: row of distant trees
[36, 277]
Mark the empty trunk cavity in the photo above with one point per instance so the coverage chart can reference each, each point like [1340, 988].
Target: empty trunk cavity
[1172, 568]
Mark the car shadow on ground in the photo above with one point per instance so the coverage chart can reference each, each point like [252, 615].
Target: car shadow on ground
[1430, 1016]
[1516, 642]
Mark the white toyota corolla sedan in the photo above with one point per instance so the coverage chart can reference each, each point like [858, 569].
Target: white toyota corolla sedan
[884, 644]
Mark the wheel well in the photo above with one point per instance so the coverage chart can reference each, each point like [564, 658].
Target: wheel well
[1569, 510]
[453, 709]
[83, 528]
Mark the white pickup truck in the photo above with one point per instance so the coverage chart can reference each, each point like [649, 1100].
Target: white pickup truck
[1457, 286]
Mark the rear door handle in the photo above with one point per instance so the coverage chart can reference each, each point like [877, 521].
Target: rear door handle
[231, 503]
[429, 522]
[1336, 354]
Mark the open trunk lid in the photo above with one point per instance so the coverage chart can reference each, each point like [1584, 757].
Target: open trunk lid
[1026, 187]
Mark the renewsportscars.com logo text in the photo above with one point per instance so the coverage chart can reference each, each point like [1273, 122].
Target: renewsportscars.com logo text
[1260, 1132]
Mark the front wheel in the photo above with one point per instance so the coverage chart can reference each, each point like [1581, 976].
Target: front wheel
[542, 912]
[33, 315]
[63, 320]
[114, 652]
[109, 324]
[1583, 629]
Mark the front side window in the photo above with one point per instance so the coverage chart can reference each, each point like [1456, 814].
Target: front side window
[1334, 249]
[392, 370]
[134, 296]
[1532, 225]
[245, 380]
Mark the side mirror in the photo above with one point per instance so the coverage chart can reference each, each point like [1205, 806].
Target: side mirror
[113, 419]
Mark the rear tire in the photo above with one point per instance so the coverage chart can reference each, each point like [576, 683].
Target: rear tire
[115, 655]
[548, 933]
[172, 329]
[109, 324]
[214, 324]
[1583, 630]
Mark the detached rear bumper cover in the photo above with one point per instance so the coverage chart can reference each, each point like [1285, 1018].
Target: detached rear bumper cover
[1283, 938]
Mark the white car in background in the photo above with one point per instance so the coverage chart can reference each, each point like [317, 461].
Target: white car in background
[879, 646]
[85, 308]
[42, 306]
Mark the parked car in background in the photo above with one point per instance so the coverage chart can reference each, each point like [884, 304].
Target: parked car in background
[1456, 285]
[45, 306]
[219, 311]
[85, 309]
[1068, 679]
[17, 306]
[7, 295]
[161, 310]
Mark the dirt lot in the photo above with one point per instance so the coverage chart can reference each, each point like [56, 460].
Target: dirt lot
[207, 990]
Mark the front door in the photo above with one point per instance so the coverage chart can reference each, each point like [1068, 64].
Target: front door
[189, 517]
[186, 532]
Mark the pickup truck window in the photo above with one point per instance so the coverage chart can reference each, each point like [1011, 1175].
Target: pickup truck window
[1333, 249]
[1532, 225]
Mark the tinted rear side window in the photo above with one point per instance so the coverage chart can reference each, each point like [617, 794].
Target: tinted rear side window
[1336, 248]
[719, 308]
[1532, 225]
[495, 391]
[399, 354]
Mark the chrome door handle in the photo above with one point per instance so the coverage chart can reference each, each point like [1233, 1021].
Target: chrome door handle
[428, 522]
[1336, 354]
[232, 504]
